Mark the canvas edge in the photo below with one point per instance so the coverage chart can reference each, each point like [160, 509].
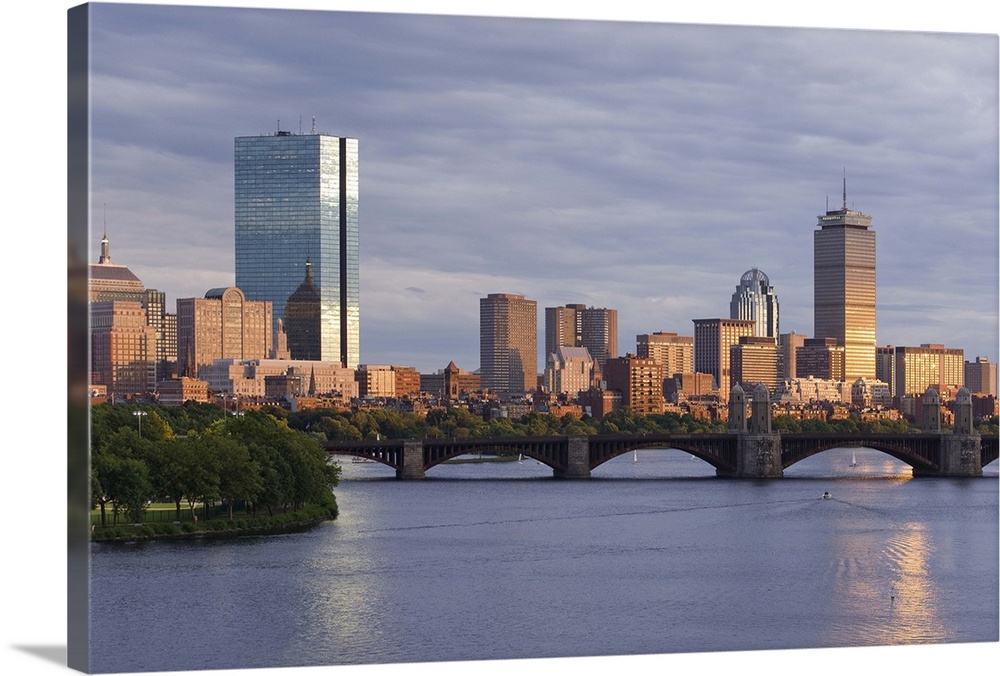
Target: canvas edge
[78, 410]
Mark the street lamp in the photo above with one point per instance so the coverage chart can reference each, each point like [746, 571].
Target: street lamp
[138, 415]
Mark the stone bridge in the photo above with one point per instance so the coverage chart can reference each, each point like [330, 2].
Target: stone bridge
[748, 449]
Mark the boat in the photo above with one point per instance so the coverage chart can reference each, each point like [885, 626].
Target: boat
[520, 458]
[826, 495]
[358, 458]
[635, 456]
[854, 459]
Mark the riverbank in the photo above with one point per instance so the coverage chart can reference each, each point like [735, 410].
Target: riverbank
[220, 527]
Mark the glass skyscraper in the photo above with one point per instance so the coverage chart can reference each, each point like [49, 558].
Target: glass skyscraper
[754, 299]
[297, 203]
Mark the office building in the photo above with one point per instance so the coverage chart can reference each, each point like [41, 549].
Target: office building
[788, 343]
[885, 366]
[712, 340]
[569, 370]
[981, 376]
[754, 299]
[821, 358]
[108, 281]
[222, 325]
[297, 205]
[580, 326]
[247, 378]
[122, 349]
[753, 361]
[675, 354]
[563, 326]
[929, 365]
[508, 343]
[844, 287]
[639, 381]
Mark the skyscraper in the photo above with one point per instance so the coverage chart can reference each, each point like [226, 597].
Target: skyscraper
[844, 287]
[297, 201]
[577, 325]
[508, 343]
[755, 299]
[712, 340]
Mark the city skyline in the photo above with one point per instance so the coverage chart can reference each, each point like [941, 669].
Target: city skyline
[544, 171]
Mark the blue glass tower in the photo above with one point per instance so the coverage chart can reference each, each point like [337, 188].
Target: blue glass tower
[297, 201]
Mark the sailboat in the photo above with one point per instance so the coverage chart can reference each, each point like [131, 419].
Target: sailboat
[520, 458]
[635, 456]
[854, 459]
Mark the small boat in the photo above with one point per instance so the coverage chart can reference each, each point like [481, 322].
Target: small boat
[693, 458]
[358, 458]
[826, 495]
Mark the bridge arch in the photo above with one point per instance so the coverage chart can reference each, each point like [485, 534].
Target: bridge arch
[919, 459]
[718, 450]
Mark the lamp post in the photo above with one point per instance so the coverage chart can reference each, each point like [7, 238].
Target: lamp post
[138, 415]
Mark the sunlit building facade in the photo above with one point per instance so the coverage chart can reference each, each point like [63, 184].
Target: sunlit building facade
[222, 325]
[755, 299]
[712, 340]
[577, 325]
[123, 349]
[981, 376]
[297, 201]
[672, 352]
[929, 365]
[508, 343]
[844, 287]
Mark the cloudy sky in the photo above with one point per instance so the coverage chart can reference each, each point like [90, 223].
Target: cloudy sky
[630, 165]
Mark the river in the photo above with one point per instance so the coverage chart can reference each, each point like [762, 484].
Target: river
[653, 554]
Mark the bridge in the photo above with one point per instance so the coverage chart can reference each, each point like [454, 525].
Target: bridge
[732, 455]
[748, 449]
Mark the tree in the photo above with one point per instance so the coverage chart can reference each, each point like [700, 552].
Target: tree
[239, 475]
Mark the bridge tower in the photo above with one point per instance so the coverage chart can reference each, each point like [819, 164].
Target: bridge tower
[932, 411]
[737, 421]
[758, 448]
[960, 451]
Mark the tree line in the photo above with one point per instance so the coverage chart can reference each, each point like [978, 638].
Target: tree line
[194, 455]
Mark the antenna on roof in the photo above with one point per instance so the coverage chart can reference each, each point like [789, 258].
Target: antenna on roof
[845, 188]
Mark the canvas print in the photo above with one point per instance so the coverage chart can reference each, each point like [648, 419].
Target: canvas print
[410, 339]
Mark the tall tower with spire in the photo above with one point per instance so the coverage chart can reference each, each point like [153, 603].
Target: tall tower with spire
[844, 286]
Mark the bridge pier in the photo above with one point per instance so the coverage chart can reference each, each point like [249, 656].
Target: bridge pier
[759, 456]
[960, 455]
[412, 466]
[577, 459]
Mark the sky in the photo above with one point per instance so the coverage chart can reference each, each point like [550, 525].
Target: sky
[641, 166]
[731, 142]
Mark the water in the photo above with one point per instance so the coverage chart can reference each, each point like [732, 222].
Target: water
[498, 561]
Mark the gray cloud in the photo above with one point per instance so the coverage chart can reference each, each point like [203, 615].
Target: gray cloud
[631, 165]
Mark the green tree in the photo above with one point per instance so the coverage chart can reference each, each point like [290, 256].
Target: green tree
[239, 475]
